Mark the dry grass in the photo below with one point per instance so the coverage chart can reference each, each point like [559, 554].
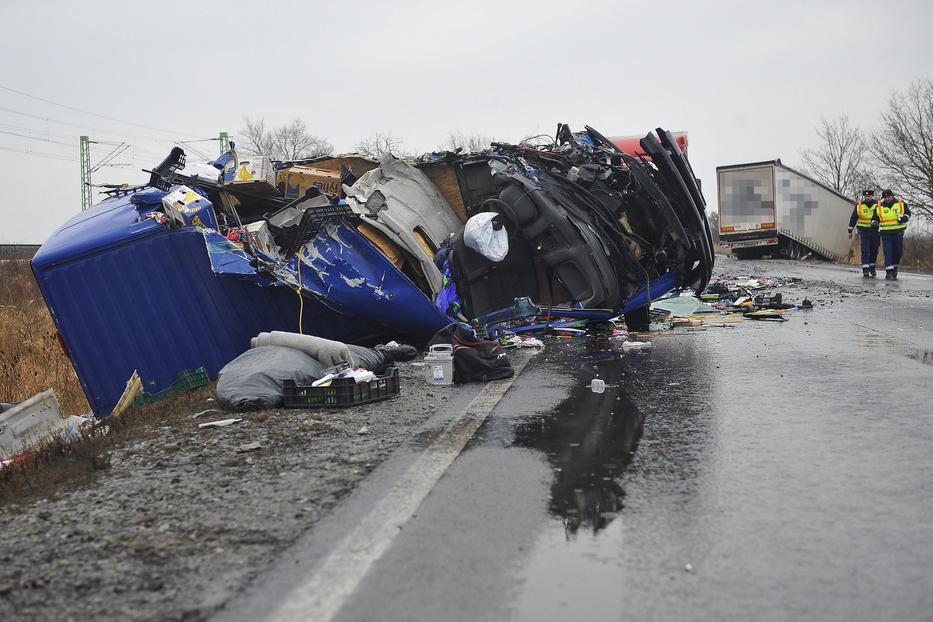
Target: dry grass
[31, 360]
[59, 464]
[918, 252]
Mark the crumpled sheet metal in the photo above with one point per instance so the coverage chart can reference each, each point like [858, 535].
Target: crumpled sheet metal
[346, 273]
[411, 202]
[229, 260]
[349, 275]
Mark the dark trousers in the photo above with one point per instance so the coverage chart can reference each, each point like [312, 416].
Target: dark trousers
[367, 358]
[893, 242]
[869, 241]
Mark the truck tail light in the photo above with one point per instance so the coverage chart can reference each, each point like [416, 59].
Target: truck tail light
[61, 344]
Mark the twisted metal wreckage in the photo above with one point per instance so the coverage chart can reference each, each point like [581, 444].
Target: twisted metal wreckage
[372, 250]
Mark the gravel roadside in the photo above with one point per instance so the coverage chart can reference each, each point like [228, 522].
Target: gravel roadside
[186, 516]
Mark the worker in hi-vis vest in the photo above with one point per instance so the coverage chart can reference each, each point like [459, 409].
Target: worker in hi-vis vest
[893, 215]
[865, 219]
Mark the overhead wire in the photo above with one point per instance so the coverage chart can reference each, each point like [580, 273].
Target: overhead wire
[43, 133]
[110, 156]
[187, 145]
[121, 148]
[45, 140]
[97, 131]
[138, 152]
[41, 154]
[107, 156]
[66, 144]
[93, 114]
[88, 128]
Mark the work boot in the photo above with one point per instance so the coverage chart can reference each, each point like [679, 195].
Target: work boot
[894, 275]
[888, 274]
[865, 273]
[398, 353]
[871, 272]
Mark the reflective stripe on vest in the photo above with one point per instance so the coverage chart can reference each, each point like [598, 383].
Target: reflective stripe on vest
[865, 212]
[889, 214]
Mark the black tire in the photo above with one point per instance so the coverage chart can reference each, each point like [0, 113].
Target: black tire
[638, 319]
[748, 253]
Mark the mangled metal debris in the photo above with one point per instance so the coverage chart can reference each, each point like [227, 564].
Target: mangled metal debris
[182, 272]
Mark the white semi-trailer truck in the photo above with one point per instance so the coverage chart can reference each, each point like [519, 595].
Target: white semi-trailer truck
[766, 208]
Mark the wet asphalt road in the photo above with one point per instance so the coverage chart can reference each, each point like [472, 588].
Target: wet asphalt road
[760, 471]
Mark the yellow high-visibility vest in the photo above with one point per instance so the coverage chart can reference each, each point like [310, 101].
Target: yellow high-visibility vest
[865, 213]
[889, 216]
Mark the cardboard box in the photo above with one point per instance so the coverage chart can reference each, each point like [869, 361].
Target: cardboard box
[294, 181]
[261, 238]
[184, 206]
[255, 169]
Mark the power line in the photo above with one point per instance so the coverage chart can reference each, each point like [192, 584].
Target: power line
[87, 112]
[110, 156]
[45, 140]
[196, 151]
[40, 132]
[98, 131]
[40, 154]
[93, 130]
[103, 161]
[144, 154]
[99, 162]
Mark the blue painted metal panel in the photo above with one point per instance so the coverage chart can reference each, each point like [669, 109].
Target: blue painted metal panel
[126, 294]
[112, 222]
[349, 275]
[659, 287]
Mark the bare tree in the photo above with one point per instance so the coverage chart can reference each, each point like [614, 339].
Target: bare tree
[713, 218]
[841, 160]
[468, 143]
[903, 145]
[254, 138]
[289, 141]
[379, 144]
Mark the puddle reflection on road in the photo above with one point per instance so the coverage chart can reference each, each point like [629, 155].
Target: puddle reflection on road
[588, 439]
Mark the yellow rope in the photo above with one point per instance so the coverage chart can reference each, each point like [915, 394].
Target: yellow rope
[301, 299]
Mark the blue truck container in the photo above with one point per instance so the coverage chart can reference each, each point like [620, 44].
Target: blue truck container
[127, 293]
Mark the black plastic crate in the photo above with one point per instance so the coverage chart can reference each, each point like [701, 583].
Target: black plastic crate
[767, 300]
[312, 220]
[342, 392]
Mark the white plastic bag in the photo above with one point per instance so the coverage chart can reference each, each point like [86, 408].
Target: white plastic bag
[481, 235]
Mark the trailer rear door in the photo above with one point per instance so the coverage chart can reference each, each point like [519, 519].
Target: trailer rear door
[746, 200]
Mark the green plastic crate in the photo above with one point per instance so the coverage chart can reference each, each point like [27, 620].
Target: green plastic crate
[184, 381]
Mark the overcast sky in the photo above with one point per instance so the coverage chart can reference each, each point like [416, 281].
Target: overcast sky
[747, 80]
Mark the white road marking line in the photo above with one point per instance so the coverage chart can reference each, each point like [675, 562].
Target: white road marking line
[340, 573]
